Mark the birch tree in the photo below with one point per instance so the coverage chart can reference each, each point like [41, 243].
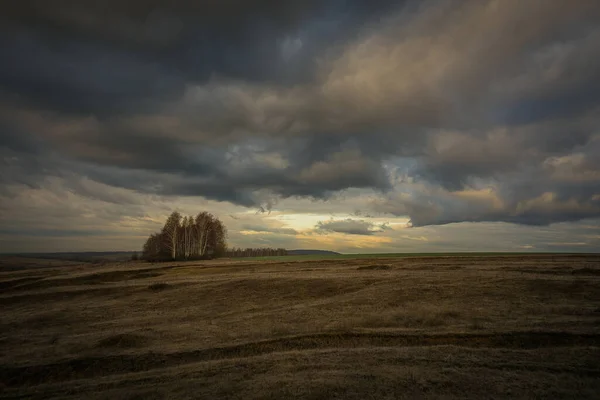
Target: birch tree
[170, 233]
[202, 229]
[203, 236]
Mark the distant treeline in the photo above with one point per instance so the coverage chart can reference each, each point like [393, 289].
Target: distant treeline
[257, 252]
[187, 238]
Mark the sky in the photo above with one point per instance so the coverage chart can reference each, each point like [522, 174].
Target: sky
[353, 126]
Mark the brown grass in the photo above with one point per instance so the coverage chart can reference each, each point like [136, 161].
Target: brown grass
[402, 328]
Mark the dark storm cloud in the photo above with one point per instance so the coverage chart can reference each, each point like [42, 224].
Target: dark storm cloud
[160, 23]
[118, 56]
[78, 77]
[118, 59]
[140, 21]
[154, 163]
[450, 111]
[226, 183]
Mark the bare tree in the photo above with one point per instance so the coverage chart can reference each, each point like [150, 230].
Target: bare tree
[187, 238]
[153, 248]
[256, 252]
[218, 238]
[203, 225]
[170, 233]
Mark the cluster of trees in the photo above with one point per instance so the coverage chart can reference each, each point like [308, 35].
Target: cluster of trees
[259, 252]
[187, 238]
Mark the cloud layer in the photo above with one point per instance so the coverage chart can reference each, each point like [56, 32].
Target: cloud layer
[438, 111]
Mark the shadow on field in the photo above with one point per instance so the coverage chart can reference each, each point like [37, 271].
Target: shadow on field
[16, 283]
[26, 284]
[120, 364]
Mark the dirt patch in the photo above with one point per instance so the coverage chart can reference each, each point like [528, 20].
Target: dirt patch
[375, 267]
[16, 283]
[144, 275]
[92, 279]
[579, 289]
[62, 296]
[586, 271]
[542, 271]
[46, 320]
[113, 276]
[123, 340]
[159, 287]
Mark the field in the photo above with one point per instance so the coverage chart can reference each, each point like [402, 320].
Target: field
[469, 326]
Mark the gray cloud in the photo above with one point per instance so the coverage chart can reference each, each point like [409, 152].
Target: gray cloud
[351, 226]
[430, 205]
[266, 229]
[82, 57]
[150, 23]
[446, 111]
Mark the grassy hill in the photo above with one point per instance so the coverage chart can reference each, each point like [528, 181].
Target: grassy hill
[386, 328]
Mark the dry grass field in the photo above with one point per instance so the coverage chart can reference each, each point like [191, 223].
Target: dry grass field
[387, 328]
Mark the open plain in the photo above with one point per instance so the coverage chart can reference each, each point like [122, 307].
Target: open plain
[519, 326]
